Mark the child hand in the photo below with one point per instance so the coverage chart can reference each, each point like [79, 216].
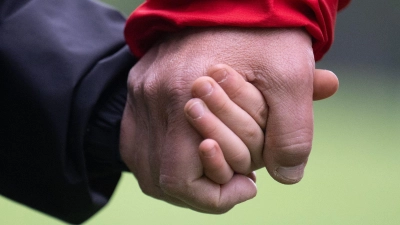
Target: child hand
[230, 114]
[233, 122]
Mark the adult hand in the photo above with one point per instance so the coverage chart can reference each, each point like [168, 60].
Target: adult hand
[160, 147]
[230, 114]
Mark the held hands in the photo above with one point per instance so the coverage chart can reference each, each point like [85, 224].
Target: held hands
[231, 115]
[161, 148]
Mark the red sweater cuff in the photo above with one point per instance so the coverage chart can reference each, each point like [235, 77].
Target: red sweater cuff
[155, 18]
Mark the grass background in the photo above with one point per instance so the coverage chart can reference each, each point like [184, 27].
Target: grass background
[353, 175]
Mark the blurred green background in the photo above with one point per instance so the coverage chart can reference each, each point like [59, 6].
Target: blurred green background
[353, 175]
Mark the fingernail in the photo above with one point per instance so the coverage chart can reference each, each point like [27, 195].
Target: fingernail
[291, 174]
[203, 90]
[196, 111]
[220, 75]
[209, 153]
[253, 176]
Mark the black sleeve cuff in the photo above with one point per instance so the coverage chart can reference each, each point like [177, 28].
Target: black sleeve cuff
[102, 135]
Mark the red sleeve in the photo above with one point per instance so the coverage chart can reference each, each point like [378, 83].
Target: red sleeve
[155, 18]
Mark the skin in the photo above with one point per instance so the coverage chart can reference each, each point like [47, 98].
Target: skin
[234, 115]
[160, 146]
[233, 119]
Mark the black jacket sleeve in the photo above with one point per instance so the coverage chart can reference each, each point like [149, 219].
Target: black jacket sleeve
[63, 70]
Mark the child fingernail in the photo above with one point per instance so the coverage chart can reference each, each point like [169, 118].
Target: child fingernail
[196, 111]
[220, 75]
[204, 90]
[209, 153]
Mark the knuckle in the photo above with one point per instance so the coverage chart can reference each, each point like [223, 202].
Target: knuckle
[240, 162]
[150, 189]
[293, 147]
[237, 92]
[281, 77]
[261, 116]
[253, 136]
[221, 107]
[178, 87]
[171, 185]
[211, 130]
[151, 87]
